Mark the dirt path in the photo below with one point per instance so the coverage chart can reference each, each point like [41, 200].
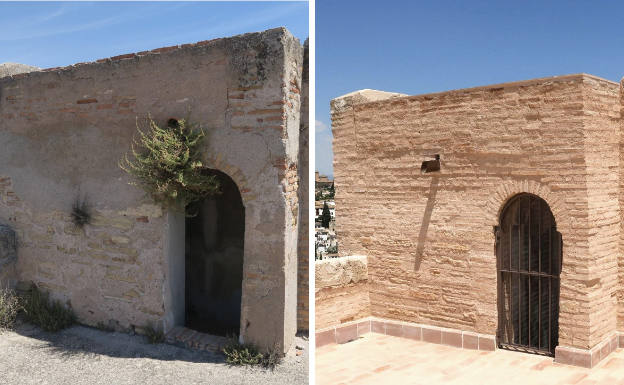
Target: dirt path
[82, 355]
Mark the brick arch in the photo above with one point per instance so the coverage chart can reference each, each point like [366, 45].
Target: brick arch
[233, 172]
[508, 189]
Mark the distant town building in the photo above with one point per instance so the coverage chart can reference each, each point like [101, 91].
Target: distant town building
[322, 181]
[318, 208]
[325, 245]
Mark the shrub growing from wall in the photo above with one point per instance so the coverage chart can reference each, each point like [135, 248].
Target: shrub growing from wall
[166, 163]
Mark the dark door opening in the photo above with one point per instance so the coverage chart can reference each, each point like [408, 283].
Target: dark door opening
[214, 261]
[529, 254]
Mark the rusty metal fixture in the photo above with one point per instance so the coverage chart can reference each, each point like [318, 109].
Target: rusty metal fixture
[431, 165]
[529, 258]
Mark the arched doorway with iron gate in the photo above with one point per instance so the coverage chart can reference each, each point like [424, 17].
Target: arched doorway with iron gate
[529, 257]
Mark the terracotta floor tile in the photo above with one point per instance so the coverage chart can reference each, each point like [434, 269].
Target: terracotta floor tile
[382, 359]
[542, 365]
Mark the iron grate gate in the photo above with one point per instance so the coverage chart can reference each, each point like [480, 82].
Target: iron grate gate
[528, 251]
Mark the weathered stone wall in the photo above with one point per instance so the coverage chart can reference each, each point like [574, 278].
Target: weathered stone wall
[429, 237]
[303, 250]
[63, 131]
[341, 291]
[289, 177]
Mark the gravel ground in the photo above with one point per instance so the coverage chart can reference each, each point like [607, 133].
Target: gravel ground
[83, 355]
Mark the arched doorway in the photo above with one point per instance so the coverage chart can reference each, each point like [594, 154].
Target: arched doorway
[215, 232]
[529, 255]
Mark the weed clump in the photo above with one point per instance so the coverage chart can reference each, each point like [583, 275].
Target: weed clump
[153, 334]
[81, 212]
[10, 306]
[50, 315]
[238, 354]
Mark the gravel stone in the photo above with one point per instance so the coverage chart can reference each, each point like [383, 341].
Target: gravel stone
[83, 355]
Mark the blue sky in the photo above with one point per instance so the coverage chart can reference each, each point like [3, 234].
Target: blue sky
[55, 34]
[417, 47]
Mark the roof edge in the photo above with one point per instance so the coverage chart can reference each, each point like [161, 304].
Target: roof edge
[519, 83]
[155, 51]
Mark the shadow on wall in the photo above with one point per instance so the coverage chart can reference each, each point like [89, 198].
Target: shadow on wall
[424, 225]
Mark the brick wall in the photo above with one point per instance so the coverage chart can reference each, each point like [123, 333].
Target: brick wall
[429, 237]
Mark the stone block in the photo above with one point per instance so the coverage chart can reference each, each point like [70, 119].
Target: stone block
[338, 272]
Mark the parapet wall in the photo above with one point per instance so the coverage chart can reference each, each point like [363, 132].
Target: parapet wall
[429, 237]
[341, 291]
[64, 130]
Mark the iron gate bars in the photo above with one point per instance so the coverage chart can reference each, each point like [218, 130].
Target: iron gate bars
[528, 250]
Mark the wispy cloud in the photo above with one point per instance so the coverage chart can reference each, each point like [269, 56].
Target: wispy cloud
[50, 16]
[248, 22]
[320, 126]
[47, 24]
[265, 16]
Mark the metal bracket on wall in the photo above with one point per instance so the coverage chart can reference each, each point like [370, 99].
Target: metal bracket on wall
[431, 165]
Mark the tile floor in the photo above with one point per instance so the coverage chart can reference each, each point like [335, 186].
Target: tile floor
[382, 359]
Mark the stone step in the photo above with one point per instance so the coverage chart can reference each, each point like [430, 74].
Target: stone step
[192, 339]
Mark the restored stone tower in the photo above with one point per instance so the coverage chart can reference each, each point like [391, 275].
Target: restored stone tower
[515, 242]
